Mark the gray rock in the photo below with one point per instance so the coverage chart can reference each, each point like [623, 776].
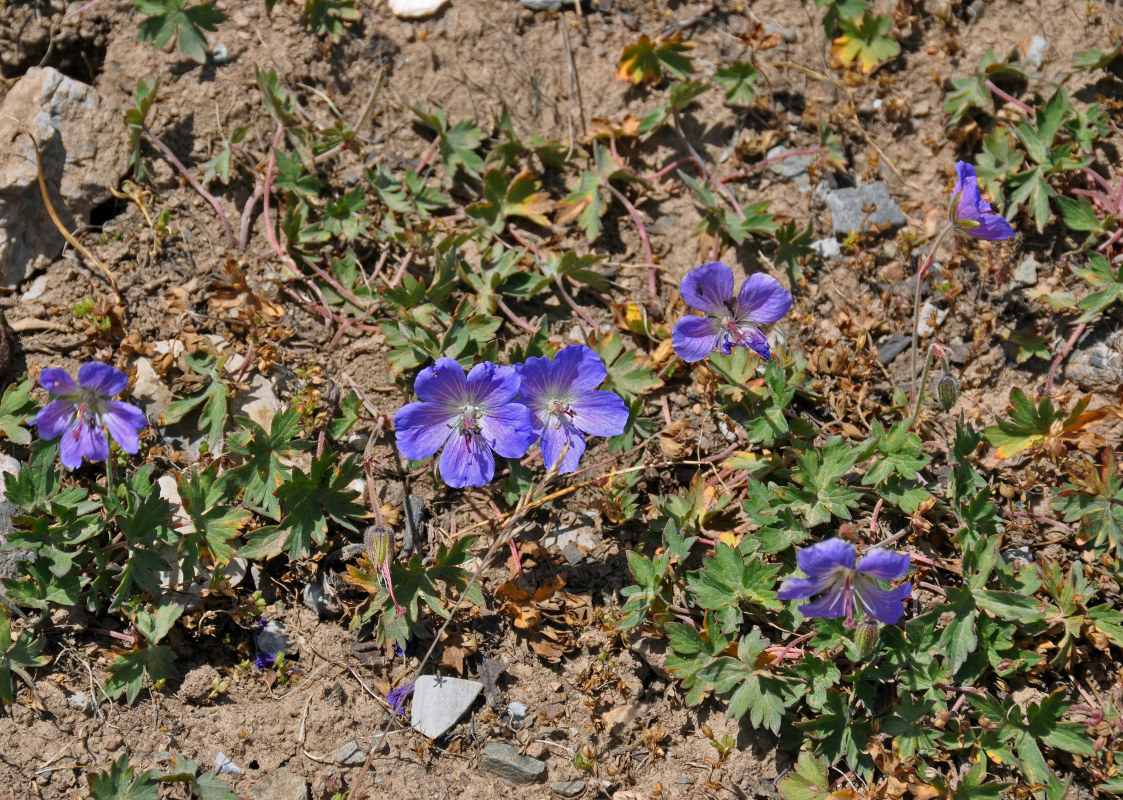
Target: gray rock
[864, 208]
[1015, 554]
[791, 167]
[349, 754]
[546, 5]
[272, 639]
[83, 146]
[150, 392]
[1035, 53]
[787, 32]
[318, 600]
[80, 701]
[224, 765]
[504, 760]
[439, 702]
[568, 788]
[281, 785]
[893, 346]
[1098, 365]
[1025, 274]
[827, 249]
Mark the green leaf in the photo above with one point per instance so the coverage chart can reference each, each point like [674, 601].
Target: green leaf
[507, 196]
[729, 580]
[1108, 285]
[896, 452]
[168, 19]
[135, 120]
[265, 454]
[628, 373]
[122, 783]
[457, 144]
[737, 80]
[910, 737]
[807, 780]
[16, 408]
[1096, 502]
[1027, 426]
[215, 524]
[213, 399]
[128, 671]
[819, 493]
[309, 501]
[867, 39]
[645, 61]
[1094, 59]
[1079, 215]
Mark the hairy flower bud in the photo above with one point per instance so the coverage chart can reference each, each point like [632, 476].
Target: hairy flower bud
[865, 638]
[377, 541]
[947, 390]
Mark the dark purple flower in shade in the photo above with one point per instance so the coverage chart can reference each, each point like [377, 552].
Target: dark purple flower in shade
[563, 399]
[970, 213]
[469, 416]
[397, 698]
[730, 321]
[264, 661]
[845, 586]
[81, 412]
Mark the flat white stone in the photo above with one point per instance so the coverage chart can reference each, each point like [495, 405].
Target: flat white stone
[439, 702]
[415, 9]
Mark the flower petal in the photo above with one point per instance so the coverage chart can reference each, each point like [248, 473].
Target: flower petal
[422, 428]
[442, 383]
[708, 288]
[885, 565]
[467, 461]
[762, 300]
[535, 385]
[831, 605]
[600, 413]
[753, 339]
[490, 385]
[555, 437]
[884, 605]
[801, 588]
[508, 429]
[124, 421]
[992, 227]
[57, 381]
[81, 440]
[102, 378]
[578, 369]
[55, 418]
[694, 338]
[819, 559]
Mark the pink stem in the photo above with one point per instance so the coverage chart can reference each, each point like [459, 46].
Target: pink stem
[634, 213]
[765, 161]
[576, 308]
[1008, 97]
[247, 214]
[1076, 334]
[401, 270]
[198, 187]
[515, 318]
[654, 176]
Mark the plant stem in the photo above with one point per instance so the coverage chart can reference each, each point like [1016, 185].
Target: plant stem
[1009, 98]
[923, 380]
[921, 272]
[634, 213]
[198, 187]
[1076, 334]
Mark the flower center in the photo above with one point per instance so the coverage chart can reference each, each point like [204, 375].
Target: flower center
[470, 424]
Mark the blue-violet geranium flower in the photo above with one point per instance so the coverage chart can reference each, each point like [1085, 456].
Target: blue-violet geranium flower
[730, 321]
[970, 213]
[845, 585]
[565, 403]
[469, 416]
[81, 412]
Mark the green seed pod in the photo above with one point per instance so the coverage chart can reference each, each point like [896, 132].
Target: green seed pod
[377, 541]
[947, 390]
[865, 638]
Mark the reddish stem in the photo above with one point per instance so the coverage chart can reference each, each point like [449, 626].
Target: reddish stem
[1008, 97]
[198, 187]
[1076, 334]
[809, 151]
[634, 213]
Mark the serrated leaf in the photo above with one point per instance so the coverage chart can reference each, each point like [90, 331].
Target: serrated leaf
[1028, 425]
[645, 61]
[737, 80]
[122, 783]
[867, 39]
[16, 408]
[168, 19]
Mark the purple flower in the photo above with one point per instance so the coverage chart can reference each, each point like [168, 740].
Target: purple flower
[970, 213]
[468, 416]
[264, 661]
[397, 698]
[565, 404]
[82, 411]
[833, 574]
[728, 321]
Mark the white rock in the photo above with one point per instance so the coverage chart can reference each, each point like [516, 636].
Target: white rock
[828, 248]
[1035, 53]
[415, 9]
[150, 392]
[260, 403]
[36, 289]
[926, 311]
[439, 702]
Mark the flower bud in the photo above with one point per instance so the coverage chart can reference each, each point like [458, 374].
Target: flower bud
[947, 390]
[865, 638]
[377, 540]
